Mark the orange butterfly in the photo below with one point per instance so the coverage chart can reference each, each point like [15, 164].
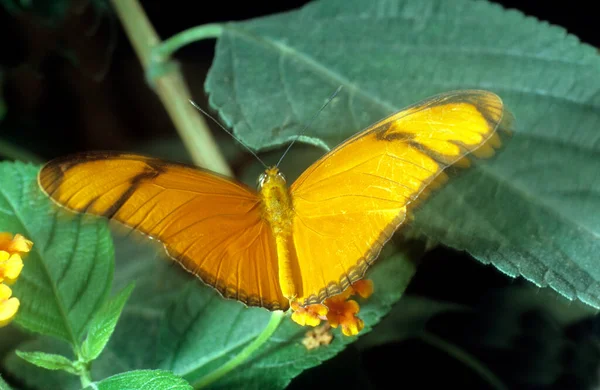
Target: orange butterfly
[278, 244]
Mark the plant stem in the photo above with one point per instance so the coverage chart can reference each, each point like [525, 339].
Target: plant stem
[171, 88]
[464, 358]
[177, 41]
[85, 376]
[212, 377]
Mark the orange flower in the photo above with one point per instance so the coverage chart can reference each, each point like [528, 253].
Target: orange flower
[8, 305]
[310, 315]
[343, 312]
[337, 310]
[363, 287]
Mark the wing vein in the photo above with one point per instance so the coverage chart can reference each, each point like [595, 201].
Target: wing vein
[313, 230]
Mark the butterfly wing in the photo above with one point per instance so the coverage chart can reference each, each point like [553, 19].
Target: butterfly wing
[208, 223]
[351, 201]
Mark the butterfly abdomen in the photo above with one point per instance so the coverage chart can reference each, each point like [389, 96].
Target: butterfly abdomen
[277, 210]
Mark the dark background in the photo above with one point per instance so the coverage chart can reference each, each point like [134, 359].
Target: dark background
[56, 106]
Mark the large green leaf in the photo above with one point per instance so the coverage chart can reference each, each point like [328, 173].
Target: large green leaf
[68, 273]
[533, 210]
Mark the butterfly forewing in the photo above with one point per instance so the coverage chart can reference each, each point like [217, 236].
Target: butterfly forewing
[208, 223]
[350, 202]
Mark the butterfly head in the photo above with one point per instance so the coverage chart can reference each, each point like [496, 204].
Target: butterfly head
[271, 176]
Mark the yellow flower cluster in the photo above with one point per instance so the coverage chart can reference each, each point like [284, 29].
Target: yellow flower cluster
[337, 310]
[11, 264]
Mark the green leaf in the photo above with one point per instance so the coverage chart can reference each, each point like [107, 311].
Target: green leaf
[3, 384]
[103, 325]
[68, 273]
[38, 378]
[532, 211]
[202, 331]
[144, 379]
[49, 361]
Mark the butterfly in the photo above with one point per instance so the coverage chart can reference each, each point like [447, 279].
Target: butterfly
[278, 244]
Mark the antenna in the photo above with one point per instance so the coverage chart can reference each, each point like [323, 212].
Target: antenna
[333, 95]
[228, 132]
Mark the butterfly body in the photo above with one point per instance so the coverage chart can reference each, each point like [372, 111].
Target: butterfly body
[277, 210]
[305, 242]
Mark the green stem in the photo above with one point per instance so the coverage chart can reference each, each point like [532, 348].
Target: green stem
[274, 322]
[465, 358]
[85, 376]
[170, 86]
[177, 41]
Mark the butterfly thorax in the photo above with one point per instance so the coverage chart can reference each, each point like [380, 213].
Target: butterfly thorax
[277, 210]
[276, 201]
